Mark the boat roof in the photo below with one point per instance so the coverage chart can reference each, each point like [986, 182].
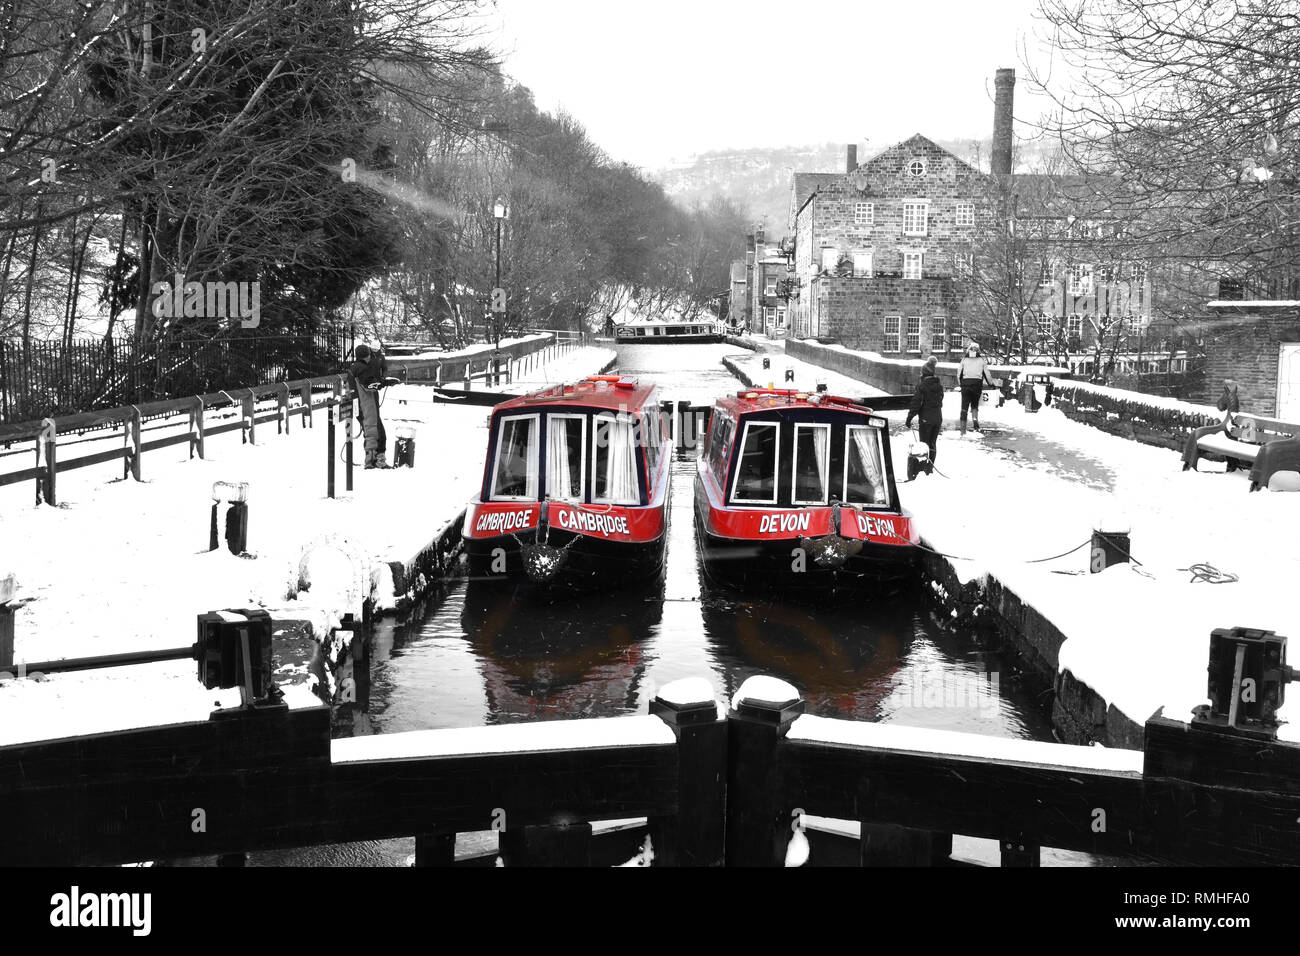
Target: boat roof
[763, 399]
[612, 392]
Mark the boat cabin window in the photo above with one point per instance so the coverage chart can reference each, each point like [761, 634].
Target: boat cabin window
[864, 471]
[514, 473]
[756, 469]
[719, 444]
[812, 464]
[614, 478]
[566, 450]
[652, 435]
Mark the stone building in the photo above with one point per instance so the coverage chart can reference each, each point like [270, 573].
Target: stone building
[876, 250]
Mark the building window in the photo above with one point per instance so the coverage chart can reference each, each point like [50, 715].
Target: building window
[914, 333]
[769, 285]
[768, 312]
[864, 214]
[862, 264]
[780, 318]
[1139, 273]
[915, 218]
[891, 332]
[1046, 269]
[1044, 325]
[1080, 279]
[956, 332]
[830, 258]
[965, 214]
[938, 333]
[912, 265]
[1074, 329]
[916, 168]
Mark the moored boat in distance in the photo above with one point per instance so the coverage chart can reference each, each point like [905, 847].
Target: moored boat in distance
[795, 492]
[575, 487]
[668, 331]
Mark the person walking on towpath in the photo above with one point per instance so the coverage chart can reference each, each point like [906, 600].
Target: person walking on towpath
[369, 374]
[927, 406]
[972, 375]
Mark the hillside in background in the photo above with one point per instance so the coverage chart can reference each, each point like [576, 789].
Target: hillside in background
[758, 179]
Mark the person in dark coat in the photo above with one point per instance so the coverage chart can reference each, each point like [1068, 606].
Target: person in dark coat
[927, 406]
[1230, 400]
[369, 374]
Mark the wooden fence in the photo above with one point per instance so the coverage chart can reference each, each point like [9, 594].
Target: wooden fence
[190, 421]
[707, 789]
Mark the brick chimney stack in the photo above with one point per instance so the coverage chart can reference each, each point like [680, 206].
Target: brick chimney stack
[851, 158]
[1004, 88]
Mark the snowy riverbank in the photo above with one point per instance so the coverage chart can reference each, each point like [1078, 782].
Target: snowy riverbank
[124, 566]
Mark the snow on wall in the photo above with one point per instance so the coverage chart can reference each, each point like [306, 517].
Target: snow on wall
[506, 738]
[897, 737]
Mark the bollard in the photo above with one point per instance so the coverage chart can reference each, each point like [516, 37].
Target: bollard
[1248, 674]
[757, 827]
[1110, 543]
[695, 837]
[789, 375]
[767, 362]
[404, 447]
[330, 451]
[8, 610]
[235, 495]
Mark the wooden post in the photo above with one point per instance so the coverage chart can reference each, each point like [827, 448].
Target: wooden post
[695, 837]
[562, 845]
[436, 849]
[757, 827]
[250, 418]
[49, 440]
[196, 427]
[8, 610]
[306, 405]
[352, 412]
[283, 420]
[135, 426]
[330, 452]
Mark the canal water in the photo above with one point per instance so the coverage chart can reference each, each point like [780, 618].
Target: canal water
[479, 655]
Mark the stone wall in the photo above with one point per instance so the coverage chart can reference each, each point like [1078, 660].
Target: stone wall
[1244, 346]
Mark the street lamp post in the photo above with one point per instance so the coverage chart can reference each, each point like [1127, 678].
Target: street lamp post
[500, 212]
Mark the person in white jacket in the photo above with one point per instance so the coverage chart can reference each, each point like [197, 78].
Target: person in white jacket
[972, 375]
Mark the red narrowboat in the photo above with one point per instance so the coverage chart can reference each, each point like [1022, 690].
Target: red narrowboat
[575, 487]
[795, 493]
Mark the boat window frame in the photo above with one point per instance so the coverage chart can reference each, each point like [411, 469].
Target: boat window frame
[716, 457]
[884, 471]
[776, 464]
[794, 464]
[582, 460]
[535, 477]
[613, 418]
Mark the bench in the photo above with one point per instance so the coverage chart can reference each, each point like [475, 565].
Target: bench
[1268, 445]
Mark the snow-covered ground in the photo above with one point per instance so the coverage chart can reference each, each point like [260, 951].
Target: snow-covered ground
[806, 376]
[1036, 485]
[124, 566]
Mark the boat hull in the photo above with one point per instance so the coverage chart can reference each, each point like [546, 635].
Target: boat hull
[589, 564]
[667, 339]
[785, 567]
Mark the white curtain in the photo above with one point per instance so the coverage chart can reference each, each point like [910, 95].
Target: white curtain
[821, 449]
[517, 459]
[866, 442]
[564, 437]
[621, 486]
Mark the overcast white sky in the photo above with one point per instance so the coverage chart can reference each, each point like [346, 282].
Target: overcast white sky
[656, 80]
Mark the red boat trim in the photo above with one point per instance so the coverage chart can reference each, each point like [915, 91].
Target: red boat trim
[776, 524]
